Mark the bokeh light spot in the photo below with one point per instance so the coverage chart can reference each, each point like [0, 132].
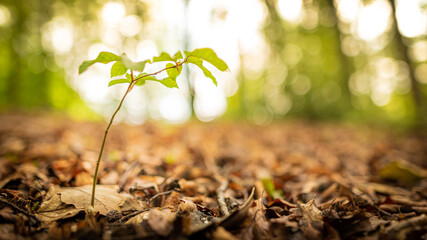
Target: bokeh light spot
[290, 10]
[113, 12]
[5, 18]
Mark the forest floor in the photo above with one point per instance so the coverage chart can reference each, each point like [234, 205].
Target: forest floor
[291, 180]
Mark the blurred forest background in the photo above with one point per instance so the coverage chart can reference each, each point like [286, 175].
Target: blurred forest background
[352, 60]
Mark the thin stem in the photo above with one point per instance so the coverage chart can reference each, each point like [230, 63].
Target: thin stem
[95, 178]
[131, 85]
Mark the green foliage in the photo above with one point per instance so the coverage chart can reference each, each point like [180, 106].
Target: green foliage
[136, 66]
[163, 57]
[117, 81]
[199, 63]
[402, 171]
[103, 57]
[118, 69]
[209, 56]
[122, 65]
[271, 189]
[168, 82]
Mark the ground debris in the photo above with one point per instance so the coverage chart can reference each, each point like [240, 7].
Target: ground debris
[291, 180]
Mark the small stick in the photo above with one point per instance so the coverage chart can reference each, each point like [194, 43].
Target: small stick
[16, 208]
[163, 193]
[129, 216]
[411, 222]
[221, 199]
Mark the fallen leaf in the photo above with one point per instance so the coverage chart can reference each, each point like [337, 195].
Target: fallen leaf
[161, 221]
[67, 202]
[402, 171]
[221, 234]
[53, 208]
[259, 228]
[106, 198]
[82, 179]
[237, 216]
[310, 212]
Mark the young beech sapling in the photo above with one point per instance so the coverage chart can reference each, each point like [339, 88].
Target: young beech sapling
[126, 71]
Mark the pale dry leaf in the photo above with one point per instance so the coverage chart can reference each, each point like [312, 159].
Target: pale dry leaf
[161, 221]
[63, 203]
[310, 212]
[259, 228]
[312, 220]
[221, 234]
[53, 208]
[106, 198]
[138, 218]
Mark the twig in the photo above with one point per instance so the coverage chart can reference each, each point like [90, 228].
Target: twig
[415, 221]
[16, 208]
[221, 199]
[163, 193]
[131, 215]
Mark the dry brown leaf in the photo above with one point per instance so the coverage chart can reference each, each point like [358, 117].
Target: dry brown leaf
[161, 221]
[310, 212]
[53, 208]
[259, 228]
[67, 202]
[106, 198]
[221, 234]
[83, 178]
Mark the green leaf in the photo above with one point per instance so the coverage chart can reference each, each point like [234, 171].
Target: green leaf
[118, 69]
[271, 189]
[85, 65]
[103, 57]
[106, 57]
[169, 82]
[177, 55]
[172, 70]
[163, 57]
[128, 79]
[199, 63]
[117, 81]
[136, 66]
[209, 56]
[402, 171]
[146, 76]
[141, 81]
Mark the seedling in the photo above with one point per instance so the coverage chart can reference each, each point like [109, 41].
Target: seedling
[271, 189]
[126, 71]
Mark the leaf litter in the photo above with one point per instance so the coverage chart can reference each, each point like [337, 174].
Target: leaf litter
[293, 180]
